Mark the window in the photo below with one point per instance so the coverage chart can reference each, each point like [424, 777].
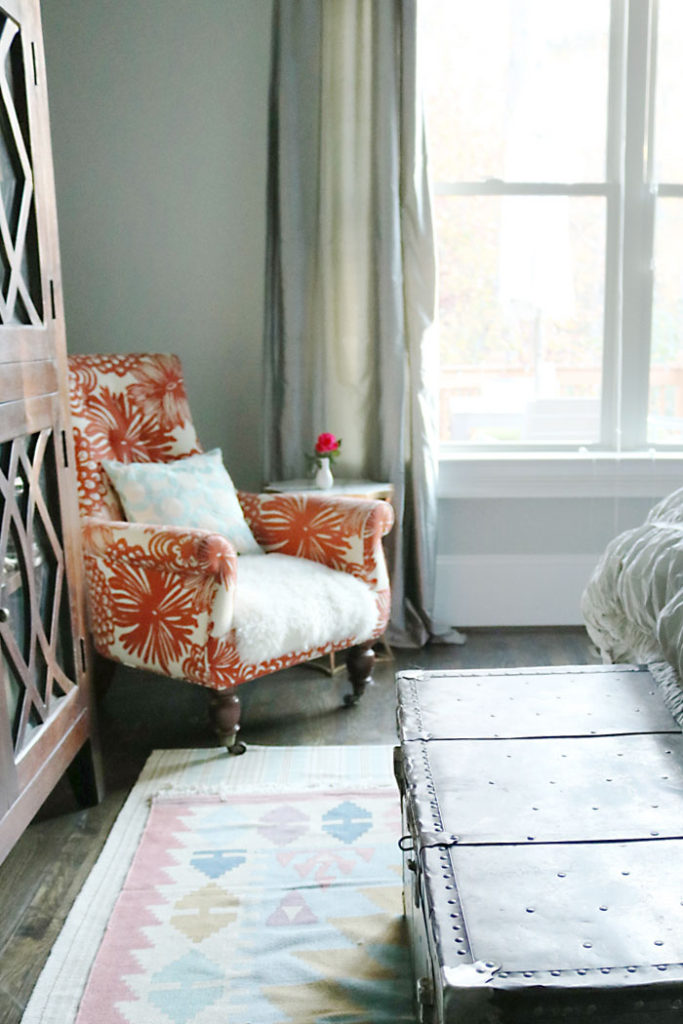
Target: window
[557, 163]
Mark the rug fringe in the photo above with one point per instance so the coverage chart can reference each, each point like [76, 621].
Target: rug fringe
[170, 793]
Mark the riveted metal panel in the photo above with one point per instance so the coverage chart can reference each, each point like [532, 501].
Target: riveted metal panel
[574, 701]
[544, 873]
[575, 906]
[548, 789]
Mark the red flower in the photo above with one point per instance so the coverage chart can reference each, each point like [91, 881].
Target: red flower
[327, 444]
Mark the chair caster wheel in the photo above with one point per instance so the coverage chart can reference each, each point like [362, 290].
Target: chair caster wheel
[237, 748]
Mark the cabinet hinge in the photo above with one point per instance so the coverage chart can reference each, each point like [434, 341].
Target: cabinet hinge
[65, 449]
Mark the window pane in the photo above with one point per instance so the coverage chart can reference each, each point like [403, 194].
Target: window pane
[669, 94]
[521, 305]
[517, 89]
[665, 413]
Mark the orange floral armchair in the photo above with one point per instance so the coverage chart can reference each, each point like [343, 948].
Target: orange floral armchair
[179, 599]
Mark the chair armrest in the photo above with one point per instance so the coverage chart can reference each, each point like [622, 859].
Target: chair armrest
[341, 532]
[178, 549]
[153, 590]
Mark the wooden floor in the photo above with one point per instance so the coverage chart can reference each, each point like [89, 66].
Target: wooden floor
[44, 873]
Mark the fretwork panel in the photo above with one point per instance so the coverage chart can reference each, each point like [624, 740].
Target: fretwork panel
[37, 657]
[20, 294]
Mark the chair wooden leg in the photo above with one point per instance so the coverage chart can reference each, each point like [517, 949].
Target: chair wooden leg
[224, 714]
[360, 661]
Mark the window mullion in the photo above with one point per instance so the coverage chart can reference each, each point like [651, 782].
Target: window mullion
[616, 121]
[638, 233]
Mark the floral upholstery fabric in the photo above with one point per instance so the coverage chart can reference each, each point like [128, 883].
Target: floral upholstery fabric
[161, 597]
[344, 533]
[130, 408]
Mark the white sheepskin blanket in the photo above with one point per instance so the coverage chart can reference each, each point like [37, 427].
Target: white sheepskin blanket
[285, 605]
[633, 603]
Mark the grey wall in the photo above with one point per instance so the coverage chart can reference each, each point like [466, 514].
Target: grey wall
[159, 129]
[536, 526]
[524, 561]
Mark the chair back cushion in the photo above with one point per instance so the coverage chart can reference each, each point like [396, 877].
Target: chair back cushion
[131, 408]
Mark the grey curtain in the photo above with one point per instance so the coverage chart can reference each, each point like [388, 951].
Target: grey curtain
[350, 343]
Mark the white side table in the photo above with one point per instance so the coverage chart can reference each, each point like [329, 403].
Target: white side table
[346, 488]
[372, 489]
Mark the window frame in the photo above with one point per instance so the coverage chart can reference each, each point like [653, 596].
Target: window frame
[630, 196]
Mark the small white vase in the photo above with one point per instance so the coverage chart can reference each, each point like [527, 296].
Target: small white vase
[323, 477]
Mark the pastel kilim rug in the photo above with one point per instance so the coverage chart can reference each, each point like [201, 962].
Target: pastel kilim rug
[252, 890]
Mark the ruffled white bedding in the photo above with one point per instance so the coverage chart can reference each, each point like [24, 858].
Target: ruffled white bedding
[633, 603]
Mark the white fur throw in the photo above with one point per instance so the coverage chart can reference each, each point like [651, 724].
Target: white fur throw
[285, 605]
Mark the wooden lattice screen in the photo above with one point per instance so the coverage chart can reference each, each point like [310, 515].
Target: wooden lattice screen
[45, 712]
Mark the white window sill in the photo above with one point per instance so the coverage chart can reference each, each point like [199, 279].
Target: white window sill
[559, 474]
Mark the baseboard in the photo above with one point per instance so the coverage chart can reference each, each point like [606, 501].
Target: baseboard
[511, 590]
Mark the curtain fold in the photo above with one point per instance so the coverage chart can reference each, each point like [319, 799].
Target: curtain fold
[350, 343]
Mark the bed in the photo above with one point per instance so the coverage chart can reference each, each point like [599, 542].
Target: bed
[633, 602]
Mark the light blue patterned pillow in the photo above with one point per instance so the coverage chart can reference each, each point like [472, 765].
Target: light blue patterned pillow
[196, 491]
